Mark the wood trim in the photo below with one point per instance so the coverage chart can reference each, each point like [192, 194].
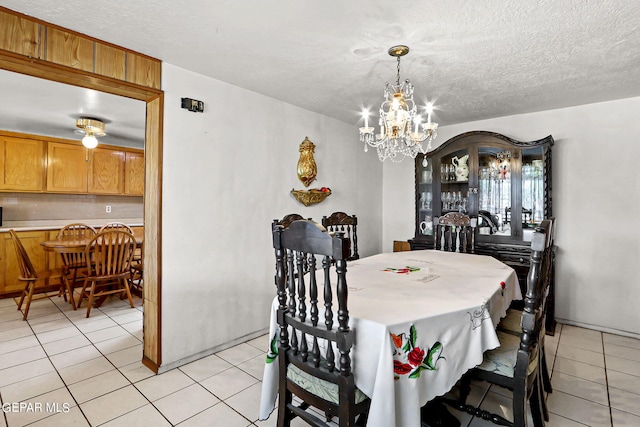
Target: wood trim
[153, 223]
[35, 38]
[150, 364]
[63, 74]
[35, 67]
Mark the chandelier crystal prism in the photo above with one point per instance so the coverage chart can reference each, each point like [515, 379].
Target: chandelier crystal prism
[401, 129]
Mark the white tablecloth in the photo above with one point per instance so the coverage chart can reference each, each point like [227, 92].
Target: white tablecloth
[417, 330]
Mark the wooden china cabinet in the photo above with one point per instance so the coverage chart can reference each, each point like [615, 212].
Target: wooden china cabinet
[504, 183]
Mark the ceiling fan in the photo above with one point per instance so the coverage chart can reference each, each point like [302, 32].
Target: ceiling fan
[91, 128]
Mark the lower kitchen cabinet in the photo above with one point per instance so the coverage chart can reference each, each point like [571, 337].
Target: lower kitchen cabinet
[9, 269]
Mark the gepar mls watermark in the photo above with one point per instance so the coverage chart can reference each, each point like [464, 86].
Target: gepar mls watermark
[53, 407]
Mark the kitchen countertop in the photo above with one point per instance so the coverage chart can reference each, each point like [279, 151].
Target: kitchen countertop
[55, 224]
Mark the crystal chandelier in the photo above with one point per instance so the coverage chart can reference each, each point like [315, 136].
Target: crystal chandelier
[401, 129]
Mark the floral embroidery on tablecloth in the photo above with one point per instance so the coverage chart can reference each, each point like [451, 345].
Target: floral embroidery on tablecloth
[405, 270]
[408, 359]
[273, 349]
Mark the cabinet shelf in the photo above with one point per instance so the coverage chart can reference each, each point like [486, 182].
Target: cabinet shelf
[454, 183]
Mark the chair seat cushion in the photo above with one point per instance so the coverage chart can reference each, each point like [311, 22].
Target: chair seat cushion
[321, 388]
[512, 322]
[502, 360]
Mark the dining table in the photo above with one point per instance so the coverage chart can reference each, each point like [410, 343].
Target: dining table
[76, 245]
[421, 320]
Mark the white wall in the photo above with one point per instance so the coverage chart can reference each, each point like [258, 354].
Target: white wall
[227, 174]
[596, 200]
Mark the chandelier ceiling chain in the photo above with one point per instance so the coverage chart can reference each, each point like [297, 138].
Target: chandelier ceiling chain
[398, 112]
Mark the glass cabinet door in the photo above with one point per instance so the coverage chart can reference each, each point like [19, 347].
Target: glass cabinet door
[533, 199]
[425, 197]
[494, 192]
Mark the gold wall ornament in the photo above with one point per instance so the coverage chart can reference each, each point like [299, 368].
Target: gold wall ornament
[307, 169]
[311, 197]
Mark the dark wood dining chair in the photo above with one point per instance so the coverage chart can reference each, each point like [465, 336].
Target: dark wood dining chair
[455, 232]
[515, 363]
[309, 368]
[109, 256]
[32, 278]
[512, 322]
[348, 224]
[74, 264]
[288, 219]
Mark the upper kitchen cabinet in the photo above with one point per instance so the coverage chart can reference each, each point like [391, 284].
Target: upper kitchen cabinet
[66, 168]
[22, 164]
[106, 171]
[134, 173]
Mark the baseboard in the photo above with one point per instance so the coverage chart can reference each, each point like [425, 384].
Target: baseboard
[208, 352]
[598, 328]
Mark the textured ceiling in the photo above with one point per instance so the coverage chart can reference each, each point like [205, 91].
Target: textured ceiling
[474, 59]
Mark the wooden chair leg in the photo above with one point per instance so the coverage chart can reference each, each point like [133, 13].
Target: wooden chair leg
[25, 292]
[519, 408]
[65, 284]
[284, 414]
[32, 287]
[542, 396]
[90, 302]
[544, 371]
[535, 402]
[126, 287]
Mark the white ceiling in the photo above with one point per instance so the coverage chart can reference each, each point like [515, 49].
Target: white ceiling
[474, 59]
[41, 107]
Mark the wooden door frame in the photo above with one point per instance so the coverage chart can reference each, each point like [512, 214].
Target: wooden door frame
[154, 98]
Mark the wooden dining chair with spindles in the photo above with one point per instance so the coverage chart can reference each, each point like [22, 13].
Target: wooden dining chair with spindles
[74, 263]
[109, 256]
[33, 278]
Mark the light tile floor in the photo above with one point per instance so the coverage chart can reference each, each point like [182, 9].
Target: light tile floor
[88, 372]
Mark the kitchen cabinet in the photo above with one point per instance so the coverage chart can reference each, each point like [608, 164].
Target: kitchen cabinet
[106, 171]
[22, 165]
[67, 168]
[505, 184]
[9, 269]
[34, 163]
[134, 173]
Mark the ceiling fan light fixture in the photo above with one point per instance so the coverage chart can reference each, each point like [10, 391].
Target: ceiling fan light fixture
[92, 128]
